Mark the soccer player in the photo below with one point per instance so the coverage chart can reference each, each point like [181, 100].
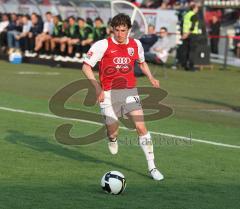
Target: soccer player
[117, 93]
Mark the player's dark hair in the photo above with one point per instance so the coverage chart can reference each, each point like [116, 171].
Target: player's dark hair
[193, 5]
[27, 16]
[58, 17]
[151, 25]
[81, 19]
[98, 19]
[164, 28]
[72, 17]
[121, 19]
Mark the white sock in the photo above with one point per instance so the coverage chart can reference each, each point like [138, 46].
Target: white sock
[151, 165]
[147, 147]
[112, 139]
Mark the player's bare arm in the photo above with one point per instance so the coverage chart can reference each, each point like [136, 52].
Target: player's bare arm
[145, 69]
[87, 70]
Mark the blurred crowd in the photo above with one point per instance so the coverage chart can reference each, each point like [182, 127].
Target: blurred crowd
[162, 4]
[167, 4]
[51, 37]
[54, 38]
[68, 40]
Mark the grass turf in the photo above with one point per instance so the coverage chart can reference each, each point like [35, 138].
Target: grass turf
[37, 172]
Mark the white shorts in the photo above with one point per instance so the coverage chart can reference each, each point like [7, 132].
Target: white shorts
[119, 102]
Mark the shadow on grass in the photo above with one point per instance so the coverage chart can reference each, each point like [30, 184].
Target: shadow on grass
[213, 102]
[42, 144]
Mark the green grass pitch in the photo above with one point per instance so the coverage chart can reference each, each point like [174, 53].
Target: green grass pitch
[37, 172]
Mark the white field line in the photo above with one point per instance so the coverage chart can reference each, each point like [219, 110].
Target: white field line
[37, 73]
[124, 128]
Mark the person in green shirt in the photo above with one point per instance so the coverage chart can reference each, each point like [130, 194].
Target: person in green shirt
[63, 40]
[100, 30]
[57, 33]
[85, 34]
[73, 37]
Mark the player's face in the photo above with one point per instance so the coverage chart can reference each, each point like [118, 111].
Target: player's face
[55, 20]
[81, 23]
[120, 33]
[98, 23]
[49, 17]
[71, 21]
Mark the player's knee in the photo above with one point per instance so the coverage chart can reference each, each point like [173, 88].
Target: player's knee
[141, 129]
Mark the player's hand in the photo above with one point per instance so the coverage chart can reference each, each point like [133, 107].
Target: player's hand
[100, 95]
[155, 83]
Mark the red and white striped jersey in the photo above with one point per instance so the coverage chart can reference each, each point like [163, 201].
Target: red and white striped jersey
[116, 62]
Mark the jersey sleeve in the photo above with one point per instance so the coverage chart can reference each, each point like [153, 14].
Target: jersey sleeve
[96, 52]
[141, 58]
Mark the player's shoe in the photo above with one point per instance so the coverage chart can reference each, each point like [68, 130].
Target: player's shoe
[156, 175]
[113, 147]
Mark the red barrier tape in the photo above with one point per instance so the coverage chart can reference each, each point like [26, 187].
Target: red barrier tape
[230, 37]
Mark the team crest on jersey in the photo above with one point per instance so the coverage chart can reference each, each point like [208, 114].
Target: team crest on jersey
[130, 51]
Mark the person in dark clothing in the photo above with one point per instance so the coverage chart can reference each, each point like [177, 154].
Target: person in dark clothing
[85, 37]
[149, 39]
[236, 42]
[100, 30]
[190, 34]
[36, 28]
[214, 31]
[3, 31]
[89, 21]
[13, 29]
[72, 37]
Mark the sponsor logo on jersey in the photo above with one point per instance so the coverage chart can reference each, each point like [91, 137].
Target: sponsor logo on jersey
[121, 60]
[113, 51]
[130, 51]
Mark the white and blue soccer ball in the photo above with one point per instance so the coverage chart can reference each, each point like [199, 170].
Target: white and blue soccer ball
[15, 58]
[113, 182]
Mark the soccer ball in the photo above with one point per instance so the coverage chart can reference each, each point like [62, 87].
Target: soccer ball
[113, 182]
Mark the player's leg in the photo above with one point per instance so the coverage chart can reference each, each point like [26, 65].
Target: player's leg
[46, 43]
[112, 133]
[145, 142]
[38, 42]
[63, 42]
[109, 113]
[55, 48]
[71, 45]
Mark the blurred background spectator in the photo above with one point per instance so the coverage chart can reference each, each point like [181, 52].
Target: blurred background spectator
[3, 31]
[149, 39]
[214, 31]
[14, 28]
[20, 39]
[158, 53]
[237, 41]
